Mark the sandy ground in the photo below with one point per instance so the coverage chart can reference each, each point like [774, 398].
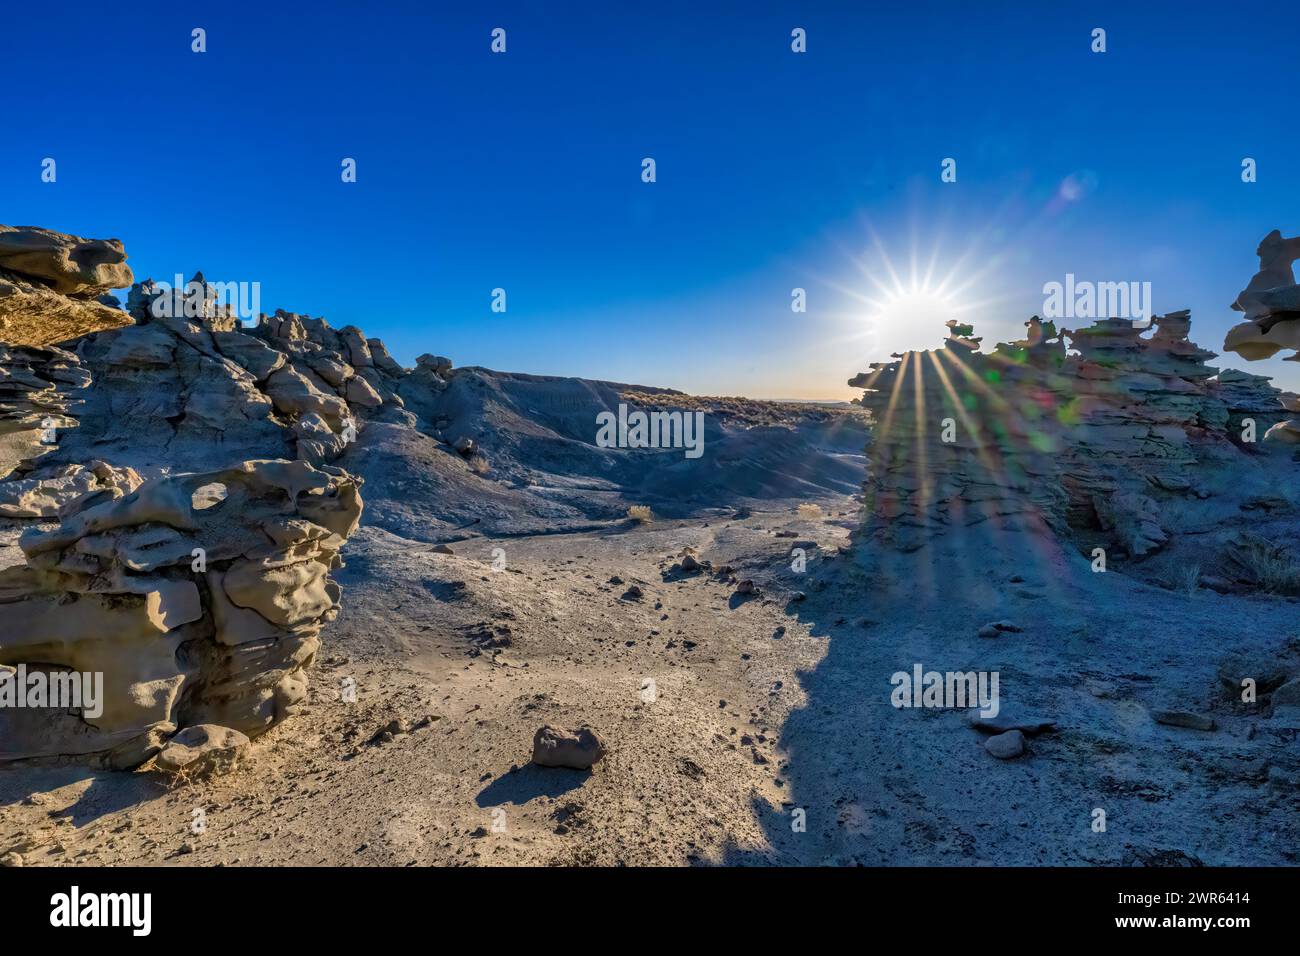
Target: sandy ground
[763, 710]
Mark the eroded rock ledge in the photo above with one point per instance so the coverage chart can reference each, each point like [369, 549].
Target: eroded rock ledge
[51, 285]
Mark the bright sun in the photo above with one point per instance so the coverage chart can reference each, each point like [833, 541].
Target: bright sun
[902, 306]
[910, 318]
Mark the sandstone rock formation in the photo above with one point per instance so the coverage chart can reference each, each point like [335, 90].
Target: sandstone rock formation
[1265, 291]
[1091, 434]
[198, 392]
[1271, 302]
[50, 284]
[40, 388]
[198, 607]
[200, 598]
[201, 750]
[70, 265]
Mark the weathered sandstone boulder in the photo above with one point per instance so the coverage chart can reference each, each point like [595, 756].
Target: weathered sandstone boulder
[198, 598]
[70, 265]
[201, 750]
[51, 491]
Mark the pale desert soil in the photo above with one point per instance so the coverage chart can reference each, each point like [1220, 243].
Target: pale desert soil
[677, 786]
[763, 706]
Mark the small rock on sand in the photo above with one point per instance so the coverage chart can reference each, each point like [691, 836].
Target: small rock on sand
[995, 628]
[1288, 695]
[577, 749]
[1268, 674]
[202, 749]
[1006, 746]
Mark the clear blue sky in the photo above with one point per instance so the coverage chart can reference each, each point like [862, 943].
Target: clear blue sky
[522, 170]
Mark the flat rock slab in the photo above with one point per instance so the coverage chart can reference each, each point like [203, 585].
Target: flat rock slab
[994, 628]
[1183, 718]
[1007, 721]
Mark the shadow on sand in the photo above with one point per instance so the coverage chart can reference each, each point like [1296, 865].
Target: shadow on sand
[528, 782]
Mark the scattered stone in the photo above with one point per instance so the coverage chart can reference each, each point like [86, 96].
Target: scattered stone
[11, 859]
[202, 750]
[1006, 746]
[1288, 695]
[1265, 671]
[577, 749]
[633, 593]
[747, 587]
[1183, 718]
[390, 731]
[1008, 720]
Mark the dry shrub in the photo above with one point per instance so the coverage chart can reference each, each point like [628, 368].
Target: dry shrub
[1270, 565]
[641, 514]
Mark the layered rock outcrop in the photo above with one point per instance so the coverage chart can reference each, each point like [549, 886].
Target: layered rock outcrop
[1271, 301]
[40, 391]
[199, 598]
[1091, 434]
[192, 393]
[51, 284]
[183, 456]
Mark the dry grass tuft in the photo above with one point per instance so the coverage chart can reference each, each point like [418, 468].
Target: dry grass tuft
[1269, 564]
[641, 514]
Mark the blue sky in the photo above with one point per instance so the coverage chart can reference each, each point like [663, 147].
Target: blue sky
[775, 170]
